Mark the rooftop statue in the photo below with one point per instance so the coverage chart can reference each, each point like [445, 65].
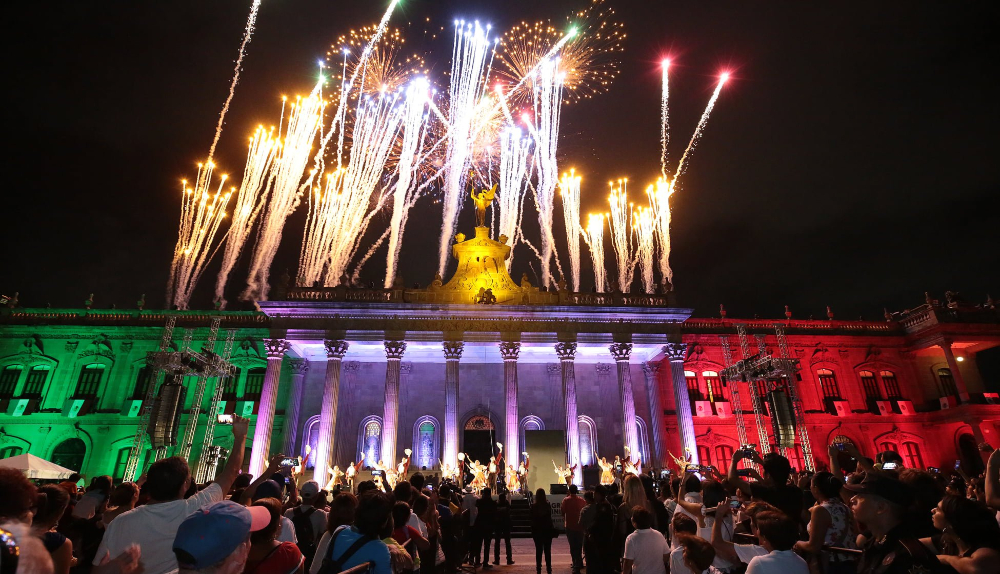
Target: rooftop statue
[483, 200]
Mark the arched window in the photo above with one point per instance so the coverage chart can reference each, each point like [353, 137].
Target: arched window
[891, 384]
[887, 446]
[121, 462]
[142, 380]
[9, 451]
[870, 385]
[89, 382]
[704, 455]
[643, 436]
[370, 440]
[529, 423]
[911, 454]
[588, 440]
[69, 454]
[425, 443]
[828, 382]
[947, 383]
[694, 392]
[847, 463]
[8, 380]
[35, 383]
[311, 437]
[723, 456]
[714, 386]
[254, 384]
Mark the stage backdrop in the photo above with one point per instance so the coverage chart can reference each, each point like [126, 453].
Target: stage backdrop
[544, 446]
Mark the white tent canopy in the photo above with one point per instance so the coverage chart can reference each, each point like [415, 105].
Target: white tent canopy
[34, 467]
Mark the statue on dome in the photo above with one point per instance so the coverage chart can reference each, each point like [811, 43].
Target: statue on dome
[483, 200]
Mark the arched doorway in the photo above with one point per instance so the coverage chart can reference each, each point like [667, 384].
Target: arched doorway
[478, 438]
[847, 464]
[69, 454]
[972, 461]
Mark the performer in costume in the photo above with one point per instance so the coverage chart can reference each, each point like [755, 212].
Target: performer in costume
[447, 472]
[607, 475]
[335, 474]
[513, 481]
[496, 465]
[352, 472]
[460, 472]
[522, 475]
[388, 472]
[565, 474]
[617, 472]
[404, 465]
[479, 471]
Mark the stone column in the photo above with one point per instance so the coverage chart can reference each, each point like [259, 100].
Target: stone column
[621, 352]
[652, 371]
[567, 352]
[956, 375]
[676, 353]
[509, 351]
[452, 354]
[290, 429]
[393, 355]
[261, 450]
[335, 351]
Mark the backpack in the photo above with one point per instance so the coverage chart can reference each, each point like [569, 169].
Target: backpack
[331, 566]
[304, 532]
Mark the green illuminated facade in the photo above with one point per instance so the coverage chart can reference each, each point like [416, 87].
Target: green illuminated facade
[72, 381]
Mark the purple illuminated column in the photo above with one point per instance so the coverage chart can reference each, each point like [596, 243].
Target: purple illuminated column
[567, 352]
[259, 453]
[621, 352]
[452, 354]
[290, 430]
[509, 352]
[390, 415]
[676, 352]
[652, 371]
[335, 351]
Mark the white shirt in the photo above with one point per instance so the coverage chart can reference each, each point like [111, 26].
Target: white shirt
[417, 524]
[727, 535]
[287, 533]
[783, 561]
[678, 566]
[153, 527]
[747, 552]
[318, 519]
[646, 548]
[469, 503]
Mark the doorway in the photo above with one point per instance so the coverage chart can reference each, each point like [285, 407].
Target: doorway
[478, 438]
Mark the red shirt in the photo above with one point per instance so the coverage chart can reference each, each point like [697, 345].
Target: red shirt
[284, 559]
[571, 507]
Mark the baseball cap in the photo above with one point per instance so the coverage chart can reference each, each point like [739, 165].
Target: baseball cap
[309, 490]
[882, 485]
[210, 534]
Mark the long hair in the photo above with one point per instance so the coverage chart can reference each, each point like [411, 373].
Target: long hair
[633, 494]
[972, 522]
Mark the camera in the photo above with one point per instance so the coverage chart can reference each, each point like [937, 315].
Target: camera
[291, 461]
[841, 446]
[734, 504]
[225, 419]
[889, 466]
[665, 473]
[743, 472]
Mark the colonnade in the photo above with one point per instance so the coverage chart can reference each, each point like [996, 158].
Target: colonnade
[509, 350]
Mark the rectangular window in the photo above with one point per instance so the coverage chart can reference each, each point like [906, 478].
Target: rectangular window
[9, 451]
[891, 385]
[35, 383]
[229, 387]
[704, 455]
[121, 463]
[911, 452]
[694, 392]
[723, 456]
[887, 446]
[8, 380]
[254, 384]
[142, 381]
[760, 389]
[870, 385]
[828, 382]
[947, 383]
[714, 386]
[89, 381]
[795, 458]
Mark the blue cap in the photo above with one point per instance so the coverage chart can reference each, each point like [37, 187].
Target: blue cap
[212, 533]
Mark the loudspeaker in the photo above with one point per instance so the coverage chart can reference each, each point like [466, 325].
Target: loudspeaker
[702, 409]
[558, 489]
[905, 408]
[723, 409]
[884, 407]
[165, 419]
[21, 407]
[782, 418]
[948, 402]
[73, 408]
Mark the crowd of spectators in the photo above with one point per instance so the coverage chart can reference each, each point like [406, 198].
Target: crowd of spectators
[760, 516]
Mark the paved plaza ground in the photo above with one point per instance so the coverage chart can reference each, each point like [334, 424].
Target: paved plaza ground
[524, 557]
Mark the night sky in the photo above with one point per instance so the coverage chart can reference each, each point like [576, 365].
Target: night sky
[851, 161]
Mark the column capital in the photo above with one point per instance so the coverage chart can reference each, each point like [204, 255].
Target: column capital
[621, 351]
[335, 348]
[510, 350]
[566, 351]
[453, 350]
[298, 366]
[675, 352]
[394, 350]
[276, 348]
[651, 369]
